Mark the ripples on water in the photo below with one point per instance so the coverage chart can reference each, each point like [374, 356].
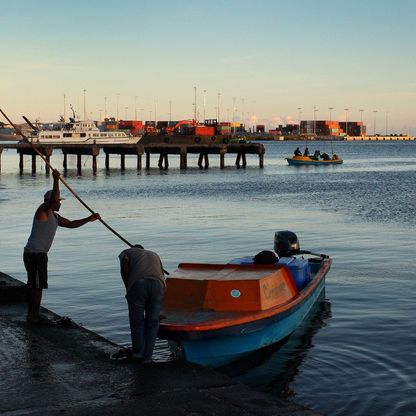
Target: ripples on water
[354, 355]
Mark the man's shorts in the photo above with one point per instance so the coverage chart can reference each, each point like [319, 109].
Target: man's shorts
[37, 270]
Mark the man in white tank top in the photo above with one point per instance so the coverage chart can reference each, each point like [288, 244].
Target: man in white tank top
[35, 257]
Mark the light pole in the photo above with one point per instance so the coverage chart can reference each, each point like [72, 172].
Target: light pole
[125, 113]
[205, 92]
[219, 112]
[346, 121]
[105, 107]
[361, 110]
[242, 114]
[141, 111]
[375, 121]
[330, 120]
[64, 106]
[135, 108]
[118, 97]
[330, 113]
[85, 106]
[314, 120]
[195, 104]
[155, 113]
[300, 116]
[233, 117]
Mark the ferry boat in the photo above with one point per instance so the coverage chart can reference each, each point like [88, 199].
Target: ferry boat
[215, 314]
[82, 132]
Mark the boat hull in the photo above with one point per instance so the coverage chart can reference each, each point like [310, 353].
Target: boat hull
[309, 161]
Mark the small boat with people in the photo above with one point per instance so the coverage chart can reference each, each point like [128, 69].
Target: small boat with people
[214, 314]
[81, 132]
[317, 158]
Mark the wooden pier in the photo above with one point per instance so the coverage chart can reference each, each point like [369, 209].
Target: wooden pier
[164, 150]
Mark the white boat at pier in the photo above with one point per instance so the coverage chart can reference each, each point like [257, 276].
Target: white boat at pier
[82, 132]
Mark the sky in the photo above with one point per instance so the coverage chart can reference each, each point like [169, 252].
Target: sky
[258, 61]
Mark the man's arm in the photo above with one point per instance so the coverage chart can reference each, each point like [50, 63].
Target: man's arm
[64, 222]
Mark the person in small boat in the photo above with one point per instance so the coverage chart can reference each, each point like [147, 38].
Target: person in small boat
[316, 155]
[266, 257]
[335, 157]
[297, 152]
[325, 156]
[306, 152]
[143, 276]
[35, 256]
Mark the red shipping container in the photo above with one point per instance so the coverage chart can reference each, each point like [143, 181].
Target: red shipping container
[205, 131]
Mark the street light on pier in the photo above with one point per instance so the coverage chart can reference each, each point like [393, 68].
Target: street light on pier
[219, 112]
[361, 110]
[64, 107]
[346, 120]
[118, 97]
[85, 106]
[205, 92]
[195, 103]
[375, 121]
[315, 110]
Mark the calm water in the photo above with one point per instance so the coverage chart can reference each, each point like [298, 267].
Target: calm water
[355, 355]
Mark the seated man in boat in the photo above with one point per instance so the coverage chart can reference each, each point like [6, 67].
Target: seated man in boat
[297, 152]
[325, 156]
[306, 152]
[335, 157]
[144, 278]
[316, 155]
[266, 257]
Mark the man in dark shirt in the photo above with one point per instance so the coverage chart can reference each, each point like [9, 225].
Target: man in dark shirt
[144, 279]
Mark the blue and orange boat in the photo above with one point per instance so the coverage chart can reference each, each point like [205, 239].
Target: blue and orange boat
[218, 313]
[307, 160]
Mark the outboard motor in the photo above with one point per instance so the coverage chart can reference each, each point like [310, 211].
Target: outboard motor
[286, 243]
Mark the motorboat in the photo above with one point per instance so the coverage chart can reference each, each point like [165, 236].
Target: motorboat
[307, 160]
[214, 314]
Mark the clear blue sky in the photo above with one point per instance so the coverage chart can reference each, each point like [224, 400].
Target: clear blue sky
[276, 55]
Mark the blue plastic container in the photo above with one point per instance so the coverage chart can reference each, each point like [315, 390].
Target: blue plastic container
[299, 269]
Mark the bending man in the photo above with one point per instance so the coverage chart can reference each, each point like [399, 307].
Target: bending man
[143, 276]
[35, 255]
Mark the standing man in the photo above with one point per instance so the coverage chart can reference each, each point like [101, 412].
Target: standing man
[35, 255]
[144, 278]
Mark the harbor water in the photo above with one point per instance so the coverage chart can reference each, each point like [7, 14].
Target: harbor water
[356, 352]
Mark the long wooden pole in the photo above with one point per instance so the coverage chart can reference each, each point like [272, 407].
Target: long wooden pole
[63, 180]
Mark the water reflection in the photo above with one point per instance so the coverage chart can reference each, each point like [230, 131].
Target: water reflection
[274, 368]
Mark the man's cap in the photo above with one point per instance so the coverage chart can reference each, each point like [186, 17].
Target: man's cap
[48, 195]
